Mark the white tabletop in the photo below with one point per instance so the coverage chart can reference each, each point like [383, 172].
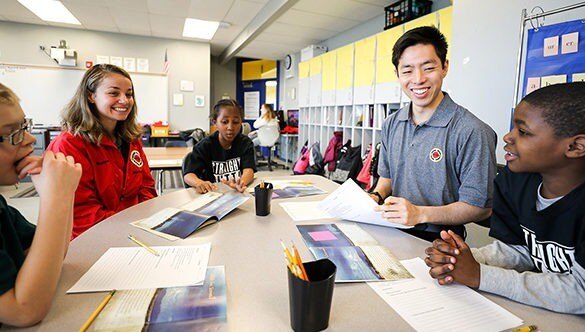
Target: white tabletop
[249, 247]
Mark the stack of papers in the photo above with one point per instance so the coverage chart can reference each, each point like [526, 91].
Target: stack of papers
[137, 268]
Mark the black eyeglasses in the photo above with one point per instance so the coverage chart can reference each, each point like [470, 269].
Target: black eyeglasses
[16, 137]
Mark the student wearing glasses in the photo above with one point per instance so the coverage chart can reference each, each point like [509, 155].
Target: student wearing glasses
[31, 257]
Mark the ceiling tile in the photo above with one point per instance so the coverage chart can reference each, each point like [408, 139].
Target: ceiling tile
[166, 24]
[380, 3]
[228, 34]
[130, 20]
[92, 14]
[124, 5]
[343, 8]
[242, 12]
[97, 27]
[298, 17]
[20, 19]
[175, 8]
[203, 10]
[138, 32]
[12, 8]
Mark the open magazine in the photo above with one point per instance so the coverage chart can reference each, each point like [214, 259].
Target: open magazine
[173, 223]
[357, 255]
[194, 308]
[292, 188]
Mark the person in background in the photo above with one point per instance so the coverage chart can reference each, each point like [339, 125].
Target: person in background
[225, 156]
[437, 161]
[31, 257]
[267, 120]
[538, 219]
[101, 132]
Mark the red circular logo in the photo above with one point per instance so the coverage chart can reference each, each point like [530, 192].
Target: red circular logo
[136, 159]
[436, 155]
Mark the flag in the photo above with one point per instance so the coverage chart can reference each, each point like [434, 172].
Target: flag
[166, 65]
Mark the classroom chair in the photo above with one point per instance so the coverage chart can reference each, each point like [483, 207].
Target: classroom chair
[268, 137]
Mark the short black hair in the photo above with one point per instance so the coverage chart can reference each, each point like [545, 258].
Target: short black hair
[225, 103]
[562, 106]
[427, 35]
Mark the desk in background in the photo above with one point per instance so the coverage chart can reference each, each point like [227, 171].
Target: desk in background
[163, 159]
[288, 148]
[249, 247]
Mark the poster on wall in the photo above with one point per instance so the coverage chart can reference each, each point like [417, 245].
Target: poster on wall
[554, 54]
[251, 104]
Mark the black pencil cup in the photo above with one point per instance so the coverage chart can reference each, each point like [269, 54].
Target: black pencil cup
[310, 301]
[263, 198]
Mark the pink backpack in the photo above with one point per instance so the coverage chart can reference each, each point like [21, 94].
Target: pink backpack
[303, 162]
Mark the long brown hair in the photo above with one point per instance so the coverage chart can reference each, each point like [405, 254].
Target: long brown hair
[80, 117]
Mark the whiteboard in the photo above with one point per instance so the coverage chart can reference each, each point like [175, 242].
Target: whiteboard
[44, 91]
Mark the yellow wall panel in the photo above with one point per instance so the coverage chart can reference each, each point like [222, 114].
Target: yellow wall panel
[251, 70]
[304, 69]
[385, 41]
[365, 57]
[329, 67]
[315, 66]
[427, 20]
[344, 77]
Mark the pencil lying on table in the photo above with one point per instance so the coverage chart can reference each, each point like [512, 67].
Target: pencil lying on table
[97, 311]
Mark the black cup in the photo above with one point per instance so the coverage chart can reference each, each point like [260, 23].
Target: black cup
[310, 301]
[263, 197]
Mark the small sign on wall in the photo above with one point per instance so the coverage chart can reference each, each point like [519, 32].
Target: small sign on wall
[199, 101]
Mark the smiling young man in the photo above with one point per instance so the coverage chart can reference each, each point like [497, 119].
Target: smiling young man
[437, 161]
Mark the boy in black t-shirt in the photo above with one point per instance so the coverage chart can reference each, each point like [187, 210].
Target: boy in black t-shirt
[226, 156]
[31, 261]
[538, 219]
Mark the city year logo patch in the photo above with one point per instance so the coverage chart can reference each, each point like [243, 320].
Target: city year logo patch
[136, 159]
[436, 155]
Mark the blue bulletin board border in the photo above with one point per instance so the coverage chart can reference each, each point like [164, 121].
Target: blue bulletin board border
[537, 65]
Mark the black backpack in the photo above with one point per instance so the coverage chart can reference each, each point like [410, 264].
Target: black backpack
[349, 163]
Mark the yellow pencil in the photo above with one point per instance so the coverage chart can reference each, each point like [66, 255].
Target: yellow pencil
[97, 311]
[143, 245]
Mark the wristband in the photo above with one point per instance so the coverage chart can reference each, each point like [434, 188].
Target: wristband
[375, 193]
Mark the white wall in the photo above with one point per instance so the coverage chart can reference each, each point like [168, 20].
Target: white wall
[19, 43]
[486, 40]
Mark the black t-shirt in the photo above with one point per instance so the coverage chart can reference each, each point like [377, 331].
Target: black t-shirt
[16, 235]
[555, 236]
[211, 162]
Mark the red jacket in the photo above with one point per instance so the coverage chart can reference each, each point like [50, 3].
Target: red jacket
[105, 187]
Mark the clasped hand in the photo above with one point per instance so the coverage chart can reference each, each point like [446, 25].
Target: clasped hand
[451, 260]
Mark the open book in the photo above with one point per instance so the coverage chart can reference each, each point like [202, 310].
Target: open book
[195, 308]
[292, 188]
[356, 254]
[173, 223]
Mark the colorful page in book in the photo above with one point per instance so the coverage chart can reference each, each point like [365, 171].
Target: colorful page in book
[356, 253]
[182, 224]
[199, 308]
[225, 204]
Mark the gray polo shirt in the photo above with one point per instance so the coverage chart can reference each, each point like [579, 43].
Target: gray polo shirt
[449, 158]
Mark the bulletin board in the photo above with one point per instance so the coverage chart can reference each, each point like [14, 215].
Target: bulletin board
[554, 54]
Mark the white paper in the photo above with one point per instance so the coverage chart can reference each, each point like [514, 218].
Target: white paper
[301, 211]
[187, 85]
[551, 46]
[102, 59]
[117, 61]
[201, 201]
[350, 202]
[427, 306]
[533, 84]
[177, 99]
[165, 162]
[570, 43]
[137, 268]
[142, 65]
[130, 64]
[251, 104]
